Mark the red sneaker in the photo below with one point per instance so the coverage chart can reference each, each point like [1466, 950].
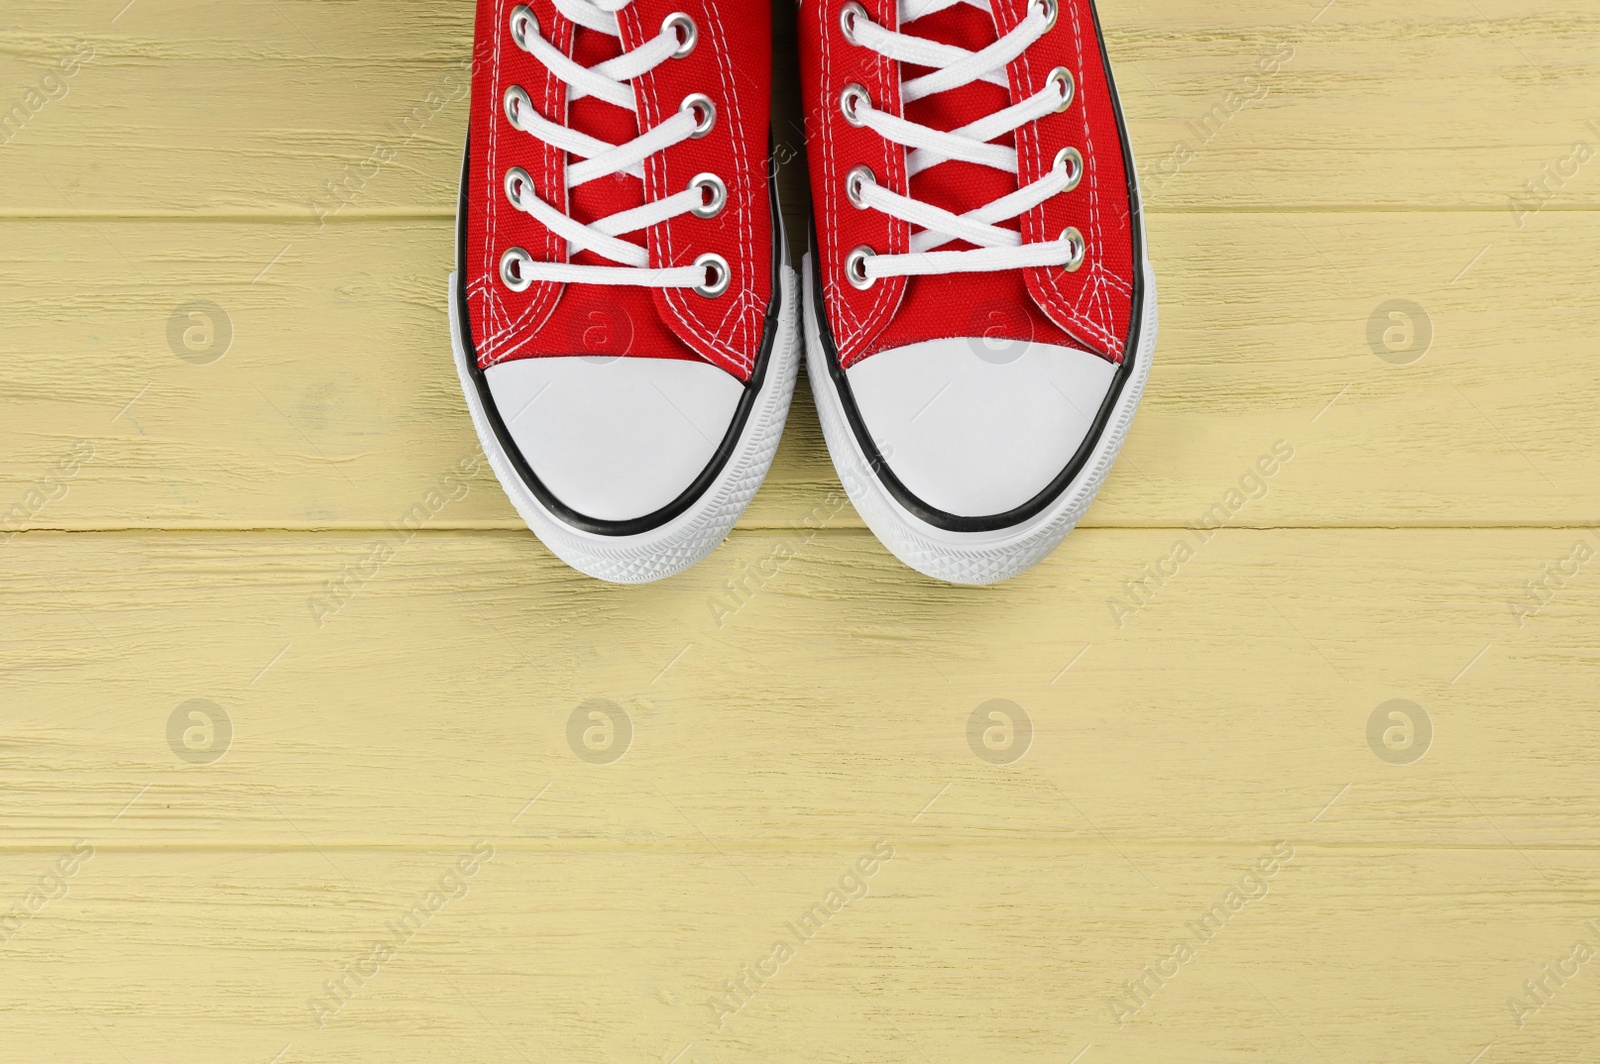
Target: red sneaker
[625, 321]
[980, 311]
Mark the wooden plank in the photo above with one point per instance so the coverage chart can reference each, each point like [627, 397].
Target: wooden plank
[336, 404]
[393, 693]
[945, 954]
[1291, 103]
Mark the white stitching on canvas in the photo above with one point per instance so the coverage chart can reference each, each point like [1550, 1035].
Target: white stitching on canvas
[860, 328]
[500, 341]
[676, 302]
[1050, 278]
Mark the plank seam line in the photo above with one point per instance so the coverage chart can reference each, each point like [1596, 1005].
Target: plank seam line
[746, 530]
[444, 214]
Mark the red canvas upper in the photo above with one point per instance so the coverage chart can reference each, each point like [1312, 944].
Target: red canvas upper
[1091, 308]
[731, 64]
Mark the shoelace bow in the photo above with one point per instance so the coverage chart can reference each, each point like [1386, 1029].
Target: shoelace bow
[953, 67]
[705, 196]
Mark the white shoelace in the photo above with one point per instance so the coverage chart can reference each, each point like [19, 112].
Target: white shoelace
[705, 196]
[952, 68]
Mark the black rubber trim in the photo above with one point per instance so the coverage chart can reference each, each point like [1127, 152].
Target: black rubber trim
[747, 403]
[928, 513]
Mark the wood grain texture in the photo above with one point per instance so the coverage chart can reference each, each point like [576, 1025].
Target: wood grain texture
[382, 699]
[1356, 953]
[1196, 699]
[1436, 103]
[828, 713]
[337, 404]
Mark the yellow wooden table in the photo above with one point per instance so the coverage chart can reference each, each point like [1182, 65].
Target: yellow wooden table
[308, 752]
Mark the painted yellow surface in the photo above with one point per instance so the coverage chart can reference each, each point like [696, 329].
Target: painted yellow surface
[282, 783]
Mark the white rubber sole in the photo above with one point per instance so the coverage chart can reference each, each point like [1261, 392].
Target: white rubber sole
[694, 534]
[970, 557]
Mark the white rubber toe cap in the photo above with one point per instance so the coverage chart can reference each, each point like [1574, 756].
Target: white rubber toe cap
[615, 439]
[975, 431]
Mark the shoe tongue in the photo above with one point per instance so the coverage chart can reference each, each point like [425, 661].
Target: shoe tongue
[958, 186]
[607, 195]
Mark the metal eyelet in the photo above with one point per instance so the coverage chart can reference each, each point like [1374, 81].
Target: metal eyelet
[855, 267]
[700, 104]
[1079, 249]
[524, 23]
[851, 101]
[1070, 159]
[719, 195]
[716, 267]
[855, 182]
[1069, 87]
[848, 15]
[517, 102]
[514, 273]
[517, 183]
[1051, 10]
[681, 26]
